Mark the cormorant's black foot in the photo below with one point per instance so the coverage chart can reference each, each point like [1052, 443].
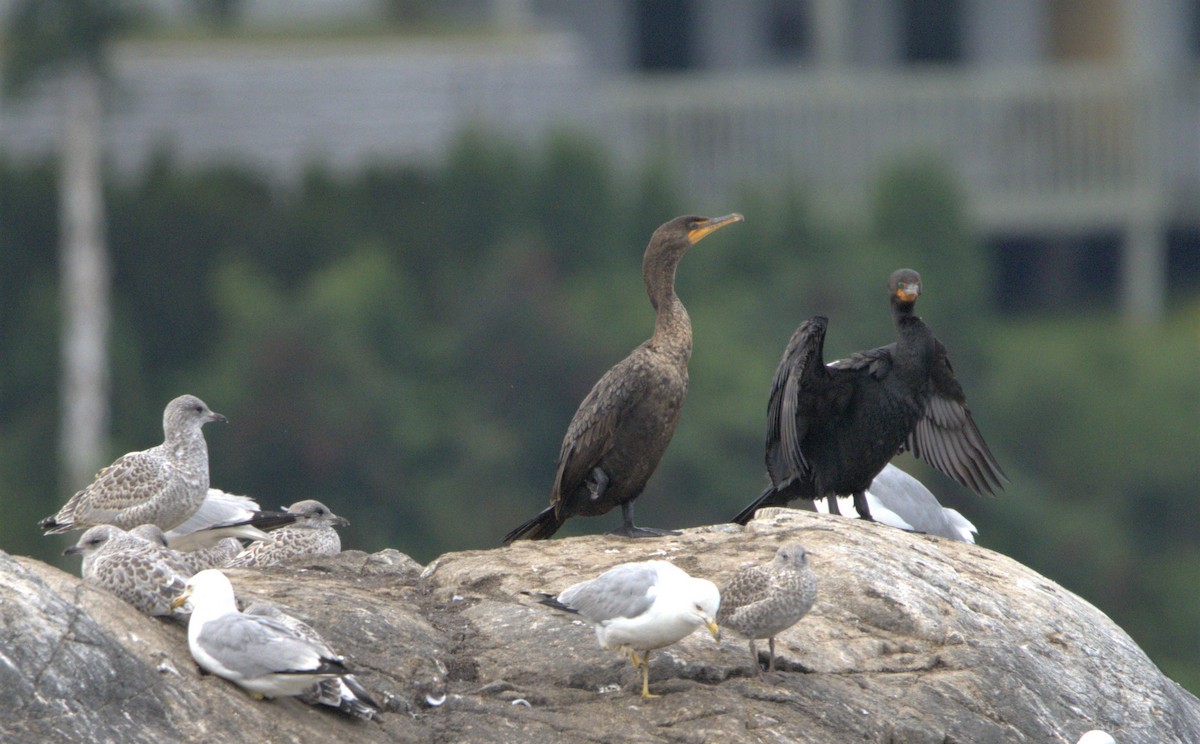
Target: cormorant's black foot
[860, 505]
[634, 531]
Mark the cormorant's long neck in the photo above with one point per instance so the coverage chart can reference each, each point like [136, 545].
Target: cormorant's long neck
[912, 335]
[672, 326]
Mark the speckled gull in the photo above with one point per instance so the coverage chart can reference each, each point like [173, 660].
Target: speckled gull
[343, 693]
[259, 654]
[191, 561]
[163, 485]
[763, 601]
[900, 500]
[638, 607]
[311, 535]
[222, 515]
[137, 571]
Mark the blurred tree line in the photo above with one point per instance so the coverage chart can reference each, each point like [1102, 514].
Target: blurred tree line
[408, 344]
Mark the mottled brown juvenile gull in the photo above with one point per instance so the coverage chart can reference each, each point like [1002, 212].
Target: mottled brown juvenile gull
[343, 693]
[136, 570]
[261, 655]
[163, 485]
[763, 601]
[223, 515]
[638, 607]
[191, 561]
[900, 500]
[311, 535]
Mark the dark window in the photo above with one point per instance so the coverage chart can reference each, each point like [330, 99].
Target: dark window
[932, 30]
[788, 33]
[665, 34]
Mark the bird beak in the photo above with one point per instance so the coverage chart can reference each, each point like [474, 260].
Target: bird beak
[182, 599]
[712, 628]
[341, 521]
[73, 550]
[702, 229]
[217, 418]
[908, 292]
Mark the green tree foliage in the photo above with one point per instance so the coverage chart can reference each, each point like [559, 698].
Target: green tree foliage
[409, 344]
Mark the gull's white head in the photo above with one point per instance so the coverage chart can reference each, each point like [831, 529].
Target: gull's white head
[208, 587]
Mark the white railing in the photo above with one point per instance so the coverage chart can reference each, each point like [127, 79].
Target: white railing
[1037, 148]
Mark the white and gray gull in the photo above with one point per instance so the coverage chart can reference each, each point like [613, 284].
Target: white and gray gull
[163, 485]
[346, 693]
[900, 500]
[638, 607]
[262, 655]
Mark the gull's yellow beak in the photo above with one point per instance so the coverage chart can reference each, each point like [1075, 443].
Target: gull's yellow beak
[701, 229]
[712, 628]
[182, 599]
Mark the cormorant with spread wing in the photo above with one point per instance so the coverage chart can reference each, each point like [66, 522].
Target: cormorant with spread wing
[832, 429]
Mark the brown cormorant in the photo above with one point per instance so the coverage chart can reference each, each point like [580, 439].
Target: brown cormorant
[623, 426]
[832, 429]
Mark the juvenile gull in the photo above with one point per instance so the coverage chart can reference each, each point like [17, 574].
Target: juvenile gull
[638, 607]
[191, 561]
[344, 693]
[259, 654]
[311, 535]
[137, 571]
[763, 601]
[223, 515]
[163, 485]
[900, 500]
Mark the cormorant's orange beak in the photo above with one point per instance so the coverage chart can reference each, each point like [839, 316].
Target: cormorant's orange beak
[702, 229]
[908, 292]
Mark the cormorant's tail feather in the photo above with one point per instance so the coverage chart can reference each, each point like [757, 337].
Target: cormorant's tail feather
[545, 524]
[764, 499]
[772, 496]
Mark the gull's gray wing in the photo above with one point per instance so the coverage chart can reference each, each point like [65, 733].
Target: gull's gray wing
[627, 590]
[252, 646]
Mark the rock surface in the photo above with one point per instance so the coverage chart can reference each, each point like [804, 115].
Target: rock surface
[912, 639]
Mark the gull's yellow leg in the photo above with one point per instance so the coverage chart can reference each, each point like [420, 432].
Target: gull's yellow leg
[645, 665]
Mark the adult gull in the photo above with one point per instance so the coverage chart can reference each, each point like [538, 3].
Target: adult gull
[638, 607]
[343, 693]
[900, 500]
[262, 655]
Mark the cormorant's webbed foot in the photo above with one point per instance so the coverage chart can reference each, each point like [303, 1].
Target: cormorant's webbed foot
[629, 529]
[860, 505]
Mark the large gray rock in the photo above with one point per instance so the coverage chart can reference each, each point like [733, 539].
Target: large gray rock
[913, 639]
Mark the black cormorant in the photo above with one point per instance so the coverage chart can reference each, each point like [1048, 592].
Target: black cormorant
[832, 429]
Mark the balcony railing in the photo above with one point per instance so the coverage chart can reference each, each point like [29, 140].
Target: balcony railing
[1035, 148]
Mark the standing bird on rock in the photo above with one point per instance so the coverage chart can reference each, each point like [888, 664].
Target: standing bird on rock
[832, 429]
[638, 607]
[623, 426]
[163, 485]
[763, 601]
